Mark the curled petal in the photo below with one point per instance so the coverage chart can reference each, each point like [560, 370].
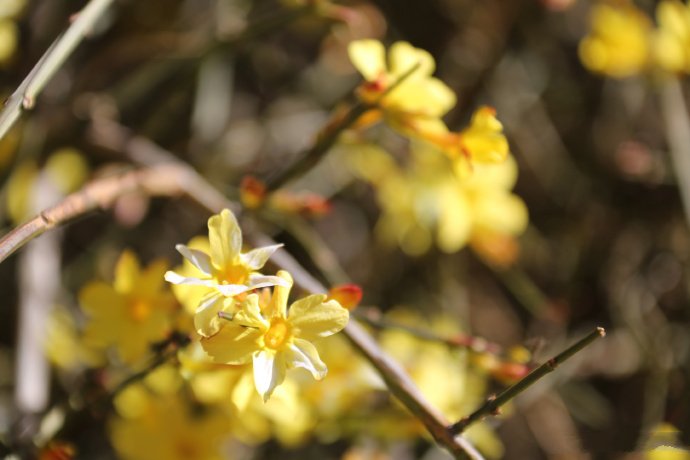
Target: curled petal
[269, 372]
[315, 318]
[249, 314]
[256, 258]
[258, 281]
[303, 354]
[206, 320]
[199, 259]
[175, 278]
[225, 237]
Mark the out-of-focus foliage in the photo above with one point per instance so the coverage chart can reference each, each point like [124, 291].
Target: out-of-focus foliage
[506, 187]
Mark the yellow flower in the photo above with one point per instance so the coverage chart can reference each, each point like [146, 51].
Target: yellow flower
[132, 313]
[224, 273]
[416, 98]
[165, 427]
[618, 43]
[482, 141]
[276, 340]
[427, 202]
[672, 39]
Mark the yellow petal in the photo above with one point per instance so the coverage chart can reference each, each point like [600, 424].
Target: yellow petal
[403, 57]
[278, 305]
[315, 318]
[232, 344]
[225, 238]
[269, 372]
[127, 272]
[483, 140]
[500, 212]
[302, 354]
[368, 57]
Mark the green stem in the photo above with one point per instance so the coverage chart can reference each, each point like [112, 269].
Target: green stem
[494, 403]
[25, 95]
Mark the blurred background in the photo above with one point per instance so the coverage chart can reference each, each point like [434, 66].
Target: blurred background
[241, 87]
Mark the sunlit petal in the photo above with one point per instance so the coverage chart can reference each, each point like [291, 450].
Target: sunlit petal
[256, 258]
[315, 318]
[302, 353]
[199, 259]
[269, 372]
[225, 237]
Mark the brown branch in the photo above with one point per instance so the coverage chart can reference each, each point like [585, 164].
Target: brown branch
[172, 178]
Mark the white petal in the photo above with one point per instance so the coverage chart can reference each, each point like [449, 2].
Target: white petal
[176, 278]
[269, 372]
[259, 281]
[303, 354]
[256, 258]
[230, 290]
[199, 259]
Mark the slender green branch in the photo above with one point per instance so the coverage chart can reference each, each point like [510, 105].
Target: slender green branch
[494, 403]
[331, 132]
[25, 95]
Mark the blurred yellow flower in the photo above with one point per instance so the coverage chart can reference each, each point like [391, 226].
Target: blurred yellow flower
[672, 38]
[275, 339]
[132, 313]
[618, 43]
[482, 141]
[664, 444]
[402, 86]
[223, 273]
[427, 202]
[168, 428]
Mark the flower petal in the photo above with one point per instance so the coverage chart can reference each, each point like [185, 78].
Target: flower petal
[225, 237]
[369, 57]
[302, 353]
[403, 57]
[175, 278]
[269, 372]
[249, 314]
[258, 281]
[206, 320]
[126, 272]
[278, 305]
[199, 259]
[231, 290]
[232, 344]
[256, 258]
[315, 318]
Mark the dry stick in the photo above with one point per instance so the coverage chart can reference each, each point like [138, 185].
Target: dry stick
[25, 95]
[677, 123]
[493, 404]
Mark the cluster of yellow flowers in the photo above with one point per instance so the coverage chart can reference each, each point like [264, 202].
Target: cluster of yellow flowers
[623, 41]
[455, 188]
[231, 382]
[403, 92]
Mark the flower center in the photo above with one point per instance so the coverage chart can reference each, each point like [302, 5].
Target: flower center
[232, 274]
[277, 334]
[139, 310]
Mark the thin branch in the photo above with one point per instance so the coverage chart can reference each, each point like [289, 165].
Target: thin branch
[493, 404]
[25, 95]
[329, 134]
[677, 124]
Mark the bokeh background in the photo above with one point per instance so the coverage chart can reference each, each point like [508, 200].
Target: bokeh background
[237, 87]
